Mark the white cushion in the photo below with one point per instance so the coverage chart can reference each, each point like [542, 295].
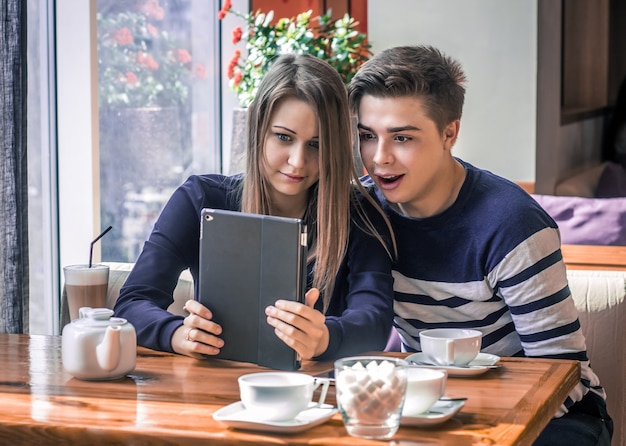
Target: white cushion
[600, 298]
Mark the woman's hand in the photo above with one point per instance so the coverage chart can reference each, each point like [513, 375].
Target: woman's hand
[198, 335]
[300, 326]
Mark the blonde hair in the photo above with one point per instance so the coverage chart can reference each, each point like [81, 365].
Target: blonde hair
[328, 215]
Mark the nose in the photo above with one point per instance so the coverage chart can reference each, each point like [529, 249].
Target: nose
[382, 155]
[297, 155]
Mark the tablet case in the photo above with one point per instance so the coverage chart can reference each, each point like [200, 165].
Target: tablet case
[247, 262]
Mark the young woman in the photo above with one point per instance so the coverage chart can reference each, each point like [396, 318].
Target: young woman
[299, 164]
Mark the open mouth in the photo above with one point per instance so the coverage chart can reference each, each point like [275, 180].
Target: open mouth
[388, 179]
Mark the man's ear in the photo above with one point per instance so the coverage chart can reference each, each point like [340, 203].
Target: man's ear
[451, 133]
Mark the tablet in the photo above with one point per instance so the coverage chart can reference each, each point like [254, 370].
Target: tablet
[247, 262]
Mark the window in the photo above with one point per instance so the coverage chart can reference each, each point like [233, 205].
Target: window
[114, 168]
[156, 110]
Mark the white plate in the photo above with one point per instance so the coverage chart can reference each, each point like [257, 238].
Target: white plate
[236, 416]
[440, 412]
[480, 364]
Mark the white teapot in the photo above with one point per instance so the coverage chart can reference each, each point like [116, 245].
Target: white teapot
[97, 346]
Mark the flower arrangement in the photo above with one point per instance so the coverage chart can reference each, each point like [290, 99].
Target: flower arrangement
[335, 41]
[139, 64]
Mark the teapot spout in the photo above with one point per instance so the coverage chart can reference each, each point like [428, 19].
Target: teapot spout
[108, 351]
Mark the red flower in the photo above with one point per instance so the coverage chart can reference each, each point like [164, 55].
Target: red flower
[227, 5]
[238, 77]
[152, 30]
[232, 64]
[151, 9]
[131, 78]
[199, 71]
[123, 36]
[147, 61]
[182, 56]
[237, 33]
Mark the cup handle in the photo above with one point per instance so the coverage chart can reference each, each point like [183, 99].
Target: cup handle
[450, 351]
[324, 383]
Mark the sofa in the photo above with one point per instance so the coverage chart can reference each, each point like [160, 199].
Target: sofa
[600, 297]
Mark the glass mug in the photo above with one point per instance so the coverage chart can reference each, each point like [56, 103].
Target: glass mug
[370, 394]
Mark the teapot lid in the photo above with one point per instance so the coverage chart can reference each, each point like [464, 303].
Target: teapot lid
[88, 316]
[98, 314]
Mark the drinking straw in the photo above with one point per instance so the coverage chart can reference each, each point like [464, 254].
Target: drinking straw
[96, 239]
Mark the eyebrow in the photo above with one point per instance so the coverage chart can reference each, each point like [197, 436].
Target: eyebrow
[276, 126]
[390, 129]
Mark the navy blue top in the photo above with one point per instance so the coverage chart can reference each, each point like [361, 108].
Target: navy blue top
[360, 311]
[491, 262]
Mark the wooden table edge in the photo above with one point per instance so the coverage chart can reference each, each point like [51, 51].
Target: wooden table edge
[567, 375]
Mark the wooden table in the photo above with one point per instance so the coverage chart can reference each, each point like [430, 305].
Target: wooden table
[170, 399]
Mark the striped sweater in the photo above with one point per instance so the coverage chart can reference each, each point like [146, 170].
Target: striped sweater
[492, 262]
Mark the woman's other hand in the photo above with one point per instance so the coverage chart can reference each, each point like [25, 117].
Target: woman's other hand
[198, 335]
[300, 326]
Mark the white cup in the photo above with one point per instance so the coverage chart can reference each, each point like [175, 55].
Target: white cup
[450, 346]
[278, 396]
[423, 388]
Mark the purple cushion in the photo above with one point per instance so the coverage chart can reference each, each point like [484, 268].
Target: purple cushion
[612, 182]
[587, 221]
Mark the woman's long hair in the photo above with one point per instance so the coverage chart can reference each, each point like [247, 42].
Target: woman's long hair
[327, 216]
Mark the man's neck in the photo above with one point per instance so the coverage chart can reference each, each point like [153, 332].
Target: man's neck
[450, 188]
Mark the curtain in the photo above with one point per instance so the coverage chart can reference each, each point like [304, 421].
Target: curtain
[13, 173]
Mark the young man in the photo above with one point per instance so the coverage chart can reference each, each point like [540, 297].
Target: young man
[474, 250]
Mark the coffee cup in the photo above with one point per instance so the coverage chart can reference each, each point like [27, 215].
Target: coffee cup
[85, 286]
[279, 396]
[450, 346]
[423, 388]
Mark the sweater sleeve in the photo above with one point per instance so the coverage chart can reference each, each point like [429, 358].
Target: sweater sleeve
[172, 247]
[542, 308]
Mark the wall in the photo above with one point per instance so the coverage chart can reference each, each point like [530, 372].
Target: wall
[496, 41]
[511, 51]
[229, 98]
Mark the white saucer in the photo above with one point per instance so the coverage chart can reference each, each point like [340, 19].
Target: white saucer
[440, 412]
[480, 364]
[235, 415]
